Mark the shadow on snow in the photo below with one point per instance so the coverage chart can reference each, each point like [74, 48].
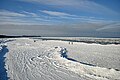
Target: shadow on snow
[64, 55]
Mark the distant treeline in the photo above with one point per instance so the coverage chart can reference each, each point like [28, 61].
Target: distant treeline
[10, 36]
[97, 41]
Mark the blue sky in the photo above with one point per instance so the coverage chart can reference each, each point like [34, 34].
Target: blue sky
[103, 15]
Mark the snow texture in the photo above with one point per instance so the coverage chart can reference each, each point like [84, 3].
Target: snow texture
[35, 59]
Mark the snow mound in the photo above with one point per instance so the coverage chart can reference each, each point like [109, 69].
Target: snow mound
[59, 55]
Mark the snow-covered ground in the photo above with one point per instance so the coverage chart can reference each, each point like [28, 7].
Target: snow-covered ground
[35, 59]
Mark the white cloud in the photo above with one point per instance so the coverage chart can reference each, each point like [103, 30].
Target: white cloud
[109, 26]
[26, 18]
[30, 14]
[81, 5]
[67, 16]
[12, 14]
[54, 2]
[54, 13]
[9, 17]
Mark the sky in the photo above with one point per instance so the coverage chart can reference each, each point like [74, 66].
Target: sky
[93, 18]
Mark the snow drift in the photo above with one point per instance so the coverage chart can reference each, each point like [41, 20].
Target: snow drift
[60, 56]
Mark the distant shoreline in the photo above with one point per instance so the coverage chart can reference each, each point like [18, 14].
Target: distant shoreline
[97, 40]
[18, 36]
[11, 36]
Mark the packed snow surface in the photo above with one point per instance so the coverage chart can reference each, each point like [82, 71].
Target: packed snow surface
[36, 59]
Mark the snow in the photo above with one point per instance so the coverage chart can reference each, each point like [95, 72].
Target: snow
[81, 69]
[27, 59]
[0, 49]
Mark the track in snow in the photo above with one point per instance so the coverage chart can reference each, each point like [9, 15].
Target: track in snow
[34, 63]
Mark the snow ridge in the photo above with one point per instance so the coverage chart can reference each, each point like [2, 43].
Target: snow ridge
[59, 54]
